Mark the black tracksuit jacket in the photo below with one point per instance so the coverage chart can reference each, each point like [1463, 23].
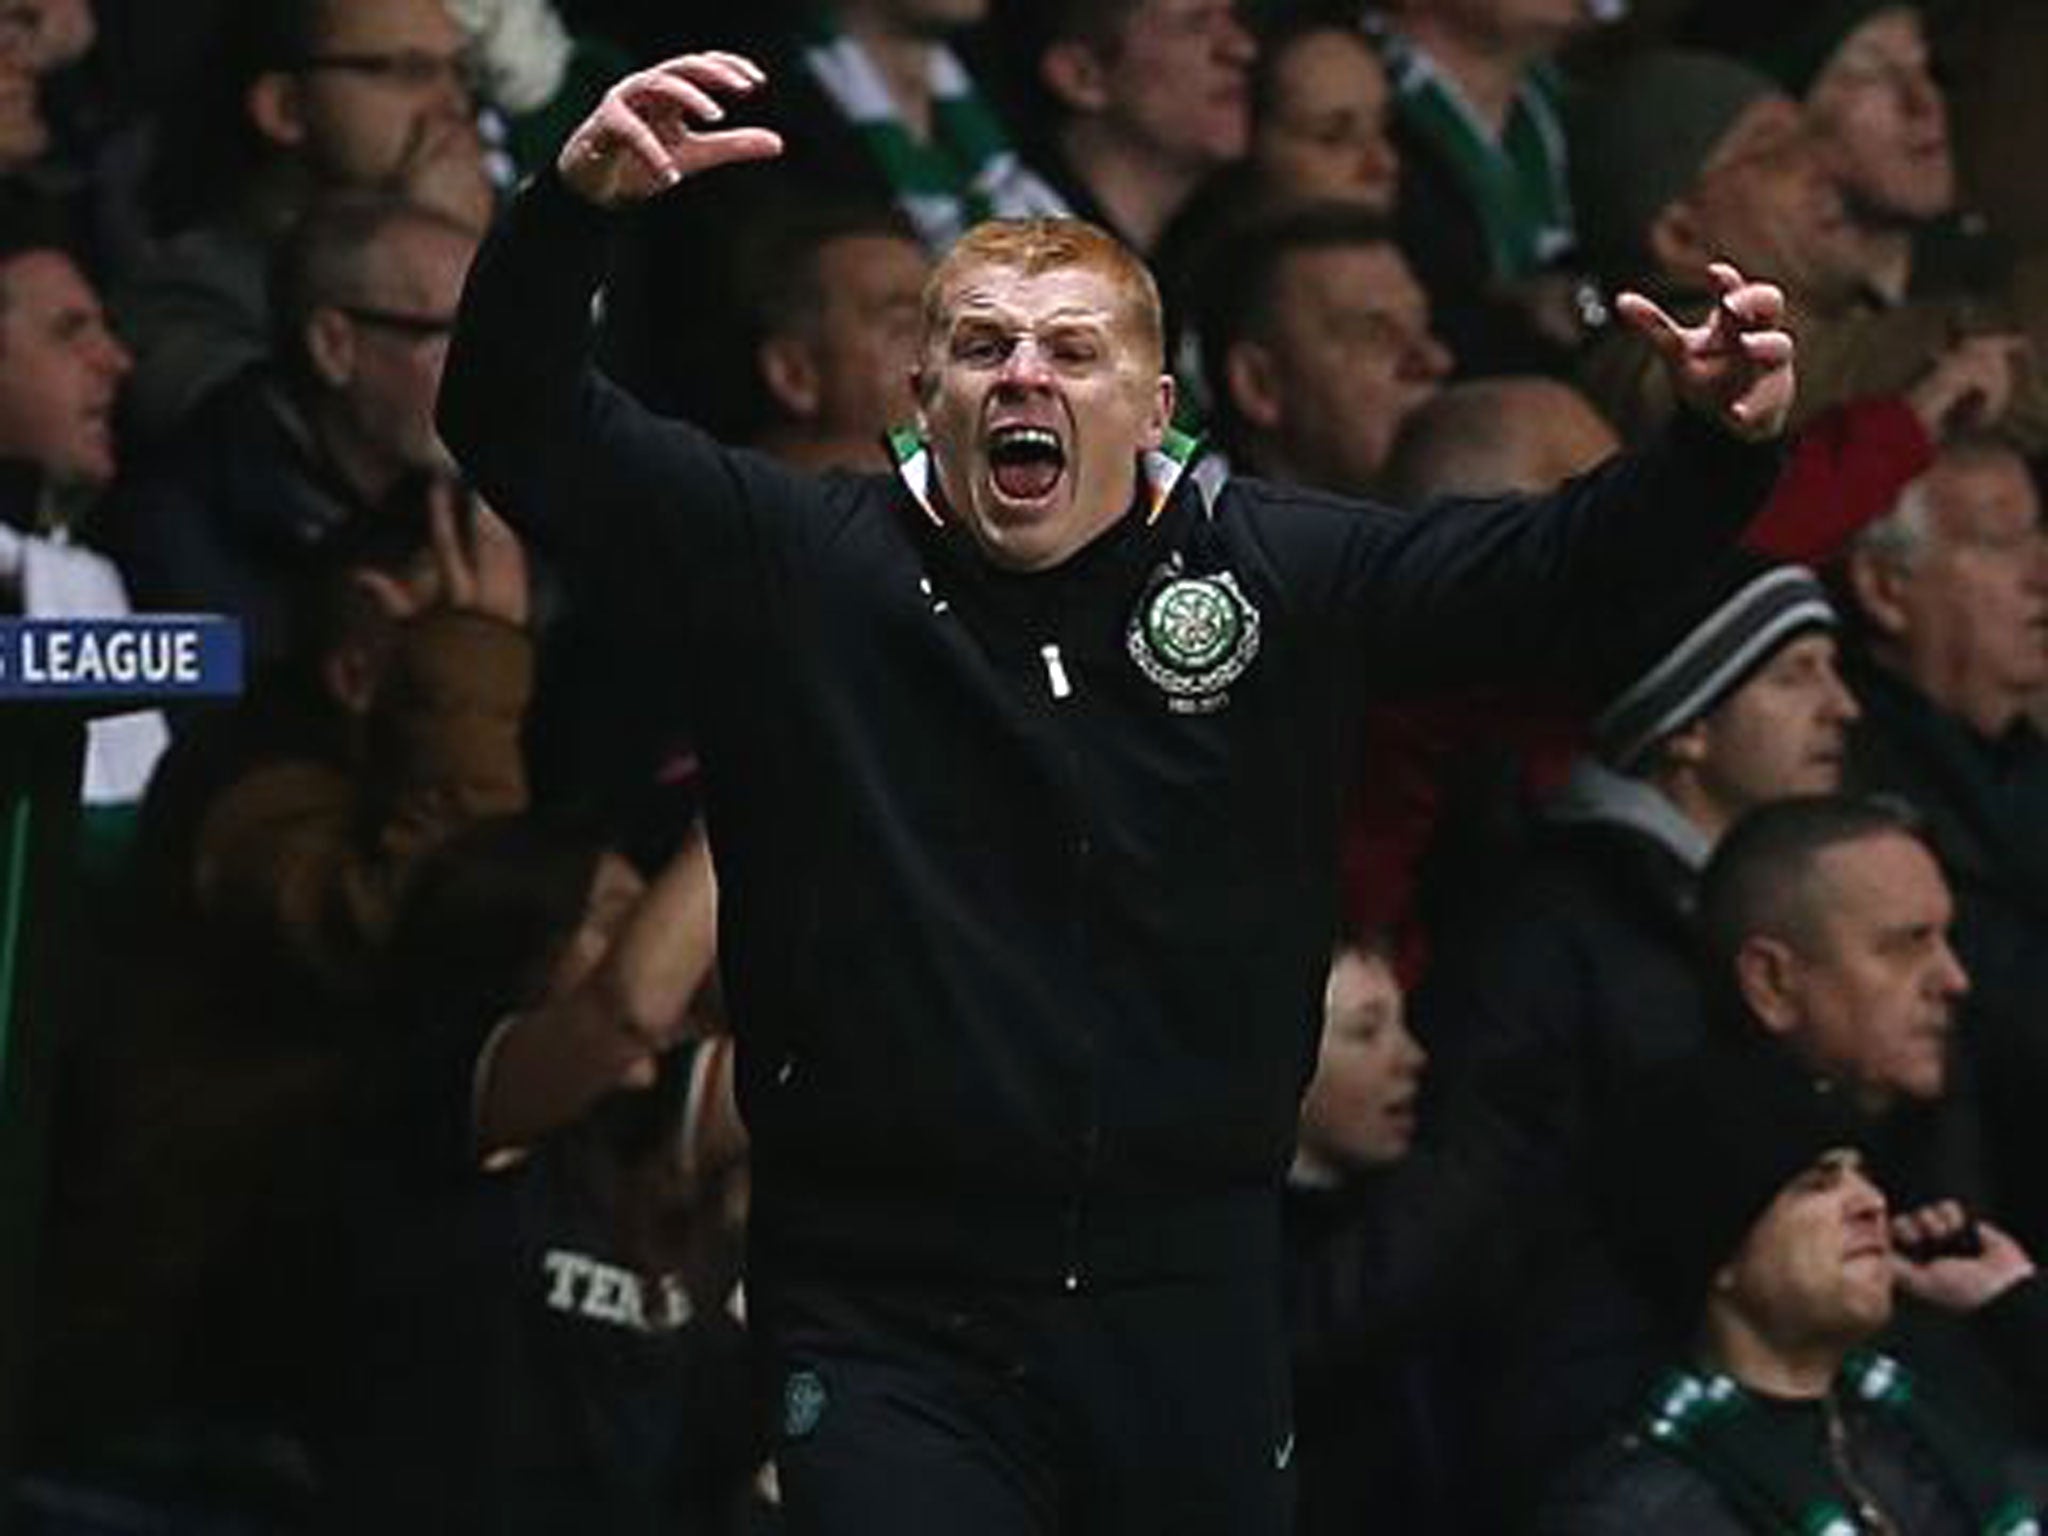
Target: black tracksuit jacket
[1025, 964]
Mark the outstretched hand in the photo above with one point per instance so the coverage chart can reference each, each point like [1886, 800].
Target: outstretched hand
[1735, 366]
[651, 129]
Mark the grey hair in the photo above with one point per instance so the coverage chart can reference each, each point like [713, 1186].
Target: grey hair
[1902, 535]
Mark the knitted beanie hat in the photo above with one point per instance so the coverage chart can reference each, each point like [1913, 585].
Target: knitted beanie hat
[1790, 42]
[1641, 135]
[1705, 1148]
[1752, 607]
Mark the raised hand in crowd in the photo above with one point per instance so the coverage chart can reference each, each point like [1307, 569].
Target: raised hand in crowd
[1735, 366]
[1935, 1262]
[609, 1029]
[479, 565]
[651, 129]
[1969, 387]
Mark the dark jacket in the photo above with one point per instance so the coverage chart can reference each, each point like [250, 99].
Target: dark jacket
[1581, 984]
[1027, 976]
[1986, 805]
[1634, 1486]
[227, 518]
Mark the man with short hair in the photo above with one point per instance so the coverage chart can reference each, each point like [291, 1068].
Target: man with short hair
[1317, 345]
[61, 371]
[1951, 594]
[1023, 773]
[330, 96]
[1829, 917]
[1768, 1242]
[837, 305]
[1149, 97]
[1481, 436]
[338, 428]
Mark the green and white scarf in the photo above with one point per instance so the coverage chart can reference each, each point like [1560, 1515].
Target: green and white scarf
[967, 172]
[1709, 1422]
[1518, 184]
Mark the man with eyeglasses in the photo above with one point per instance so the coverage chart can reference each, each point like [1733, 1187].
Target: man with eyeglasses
[339, 427]
[328, 95]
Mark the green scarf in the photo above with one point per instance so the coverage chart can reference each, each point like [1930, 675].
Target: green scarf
[965, 173]
[1518, 184]
[1710, 1423]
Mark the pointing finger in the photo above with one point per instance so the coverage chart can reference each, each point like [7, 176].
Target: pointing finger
[729, 69]
[1757, 304]
[740, 62]
[1770, 348]
[675, 91]
[733, 145]
[1648, 317]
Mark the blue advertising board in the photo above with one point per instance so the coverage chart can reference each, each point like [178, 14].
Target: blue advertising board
[160, 658]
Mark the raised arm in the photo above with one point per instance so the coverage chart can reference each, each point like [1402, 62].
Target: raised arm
[550, 1064]
[566, 455]
[1543, 589]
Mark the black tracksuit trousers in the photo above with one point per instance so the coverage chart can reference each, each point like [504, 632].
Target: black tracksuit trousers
[1158, 1408]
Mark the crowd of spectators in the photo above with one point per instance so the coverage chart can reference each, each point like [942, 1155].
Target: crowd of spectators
[1673, 1157]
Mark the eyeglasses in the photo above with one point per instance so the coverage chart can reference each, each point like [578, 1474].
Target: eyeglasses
[412, 68]
[419, 327]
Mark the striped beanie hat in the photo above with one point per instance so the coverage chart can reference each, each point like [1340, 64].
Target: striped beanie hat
[1753, 606]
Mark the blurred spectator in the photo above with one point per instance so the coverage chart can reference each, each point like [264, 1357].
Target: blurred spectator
[1318, 346]
[1825, 923]
[535, 71]
[1486, 437]
[1361, 1437]
[337, 427]
[1991, 50]
[1686, 159]
[873, 104]
[397, 721]
[195, 1225]
[37, 38]
[1770, 1239]
[72, 130]
[836, 295]
[1951, 594]
[316, 96]
[535, 1326]
[874, 97]
[1149, 99]
[1446, 790]
[1863, 72]
[1320, 117]
[1486, 217]
[1582, 980]
[61, 370]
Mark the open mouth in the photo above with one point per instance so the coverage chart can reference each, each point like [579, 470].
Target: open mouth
[1026, 462]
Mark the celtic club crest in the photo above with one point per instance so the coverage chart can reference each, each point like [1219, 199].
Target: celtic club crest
[1193, 636]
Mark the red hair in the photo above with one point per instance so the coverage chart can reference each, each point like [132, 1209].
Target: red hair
[1032, 246]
